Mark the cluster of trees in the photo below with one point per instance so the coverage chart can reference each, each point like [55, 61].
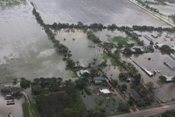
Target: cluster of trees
[168, 113]
[147, 6]
[91, 36]
[166, 49]
[60, 48]
[25, 83]
[40, 84]
[152, 28]
[63, 103]
[147, 99]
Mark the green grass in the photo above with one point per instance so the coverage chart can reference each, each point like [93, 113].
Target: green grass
[10, 3]
[25, 109]
[45, 91]
[105, 56]
[120, 40]
[78, 103]
[34, 108]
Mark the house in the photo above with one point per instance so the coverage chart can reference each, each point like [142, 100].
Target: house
[98, 80]
[169, 65]
[105, 91]
[159, 45]
[81, 72]
[169, 79]
[154, 35]
[137, 33]
[146, 71]
[135, 95]
[148, 38]
[172, 56]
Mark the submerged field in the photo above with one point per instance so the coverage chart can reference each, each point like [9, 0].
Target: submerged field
[121, 12]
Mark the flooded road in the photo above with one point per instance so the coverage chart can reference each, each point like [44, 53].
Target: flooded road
[15, 110]
[120, 12]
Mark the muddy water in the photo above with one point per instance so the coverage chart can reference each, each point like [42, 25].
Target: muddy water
[25, 50]
[82, 49]
[121, 12]
[165, 9]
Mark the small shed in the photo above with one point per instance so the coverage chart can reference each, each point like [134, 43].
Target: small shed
[105, 91]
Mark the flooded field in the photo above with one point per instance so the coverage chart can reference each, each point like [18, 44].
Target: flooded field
[81, 48]
[121, 12]
[25, 50]
[165, 9]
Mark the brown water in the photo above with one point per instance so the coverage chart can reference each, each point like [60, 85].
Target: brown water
[121, 12]
[82, 49]
[25, 50]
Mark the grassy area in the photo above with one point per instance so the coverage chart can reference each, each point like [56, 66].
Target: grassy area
[120, 40]
[105, 56]
[34, 108]
[113, 62]
[79, 102]
[9, 3]
[25, 109]
[45, 91]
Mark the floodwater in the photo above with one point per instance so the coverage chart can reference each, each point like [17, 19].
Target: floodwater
[120, 12]
[165, 9]
[82, 49]
[25, 50]
[15, 110]
[164, 91]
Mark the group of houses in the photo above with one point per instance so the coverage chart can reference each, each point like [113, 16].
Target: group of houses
[96, 80]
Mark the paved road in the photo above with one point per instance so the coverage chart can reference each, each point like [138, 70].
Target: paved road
[148, 112]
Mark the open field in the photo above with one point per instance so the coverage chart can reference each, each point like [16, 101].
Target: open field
[121, 12]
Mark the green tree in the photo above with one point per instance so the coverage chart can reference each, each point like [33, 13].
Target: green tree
[124, 87]
[36, 89]
[123, 76]
[162, 78]
[150, 86]
[124, 107]
[173, 80]
[97, 112]
[166, 49]
[25, 83]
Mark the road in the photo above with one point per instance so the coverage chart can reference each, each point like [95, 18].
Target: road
[154, 14]
[28, 103]
[149, 112]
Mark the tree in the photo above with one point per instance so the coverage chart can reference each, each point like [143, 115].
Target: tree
[69, 112]
[97, 112]
[150, 86]
[123, 76]
[54, 87]
[36, 89]
[124, 87]
[25, 83]
[166, 49]
[162, 78]
[123, 107]
[70, 63]
[173, 80]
